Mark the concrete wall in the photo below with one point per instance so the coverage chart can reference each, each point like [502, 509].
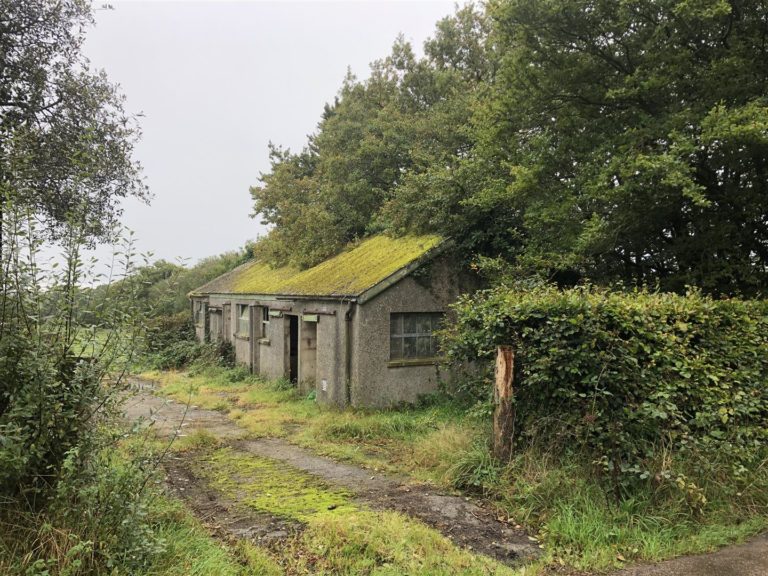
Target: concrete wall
[322, 348]
[222, 321]
[377, 382]
[330, 357]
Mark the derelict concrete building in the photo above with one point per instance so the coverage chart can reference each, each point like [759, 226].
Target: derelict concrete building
[357, 328]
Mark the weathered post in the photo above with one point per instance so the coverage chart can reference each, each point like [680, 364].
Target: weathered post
[504, 414]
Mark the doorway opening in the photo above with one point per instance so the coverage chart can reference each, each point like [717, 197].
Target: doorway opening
[293, 348]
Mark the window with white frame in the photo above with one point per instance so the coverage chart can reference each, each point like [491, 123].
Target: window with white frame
[264, 321]
[243, 320]
[411, 335]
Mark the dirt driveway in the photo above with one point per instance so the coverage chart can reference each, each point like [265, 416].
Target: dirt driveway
[464, 521]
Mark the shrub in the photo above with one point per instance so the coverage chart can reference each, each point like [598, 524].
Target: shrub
[226, 354]
[164, 331]
[239, 373]
[178, 354]
[172, 344]
[640, 381]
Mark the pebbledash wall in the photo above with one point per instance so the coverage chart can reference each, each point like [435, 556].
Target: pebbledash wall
[342, 344]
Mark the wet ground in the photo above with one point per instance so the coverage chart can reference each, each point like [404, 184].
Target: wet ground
[464, 521]
[749, 559]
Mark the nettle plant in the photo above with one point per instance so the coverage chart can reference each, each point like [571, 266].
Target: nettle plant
[656, 388]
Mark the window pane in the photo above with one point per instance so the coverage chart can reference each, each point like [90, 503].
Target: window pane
[423, 323]
[411, 334]
[423, 347]
[243, 319]
[411, 323]
[395, 348]
[395, 324]
[409, 348]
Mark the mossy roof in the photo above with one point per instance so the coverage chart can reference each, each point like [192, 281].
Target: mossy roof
[350, 273]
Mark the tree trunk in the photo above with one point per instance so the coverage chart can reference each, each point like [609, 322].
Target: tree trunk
[504, 414]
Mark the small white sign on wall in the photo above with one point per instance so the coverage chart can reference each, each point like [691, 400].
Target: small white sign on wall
[324, 385]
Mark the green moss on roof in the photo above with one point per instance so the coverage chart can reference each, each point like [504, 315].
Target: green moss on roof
[350, 273]
[261, 278]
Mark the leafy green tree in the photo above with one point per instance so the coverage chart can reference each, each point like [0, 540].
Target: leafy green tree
[65, 139]
[634, 136]
[386, 153]
[65, 164]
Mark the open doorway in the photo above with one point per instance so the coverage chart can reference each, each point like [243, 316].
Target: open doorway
[293, 348]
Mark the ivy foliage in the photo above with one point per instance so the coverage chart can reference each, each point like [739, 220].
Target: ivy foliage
[640, 381]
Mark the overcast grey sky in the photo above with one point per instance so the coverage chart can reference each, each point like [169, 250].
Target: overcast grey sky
[216, 81]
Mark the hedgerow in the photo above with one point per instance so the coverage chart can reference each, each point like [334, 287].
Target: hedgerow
[653, 387]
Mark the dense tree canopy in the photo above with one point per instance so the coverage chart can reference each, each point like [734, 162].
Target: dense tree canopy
[571, 139]
[636, 135]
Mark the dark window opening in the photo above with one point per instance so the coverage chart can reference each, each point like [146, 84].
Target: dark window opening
[264, 321]
[293, 348]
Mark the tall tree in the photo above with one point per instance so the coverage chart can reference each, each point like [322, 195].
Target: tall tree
[65, 164]
[386, 152]
[65, 139]
[635, 138]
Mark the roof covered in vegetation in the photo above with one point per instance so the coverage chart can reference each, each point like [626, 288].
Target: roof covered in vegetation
[358, 268]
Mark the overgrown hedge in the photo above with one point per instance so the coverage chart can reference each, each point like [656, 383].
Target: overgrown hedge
[639, 381]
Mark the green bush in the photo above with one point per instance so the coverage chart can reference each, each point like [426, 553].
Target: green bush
[239, 373]
[48, 406]
[108, 490]
[171, 344]
[225, 352]
[177, 355]
[642, 382]
[164, 331]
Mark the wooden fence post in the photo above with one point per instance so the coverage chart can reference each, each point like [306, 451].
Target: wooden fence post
[504, 413]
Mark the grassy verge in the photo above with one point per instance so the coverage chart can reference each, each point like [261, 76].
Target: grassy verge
[174, 543]
[190, 550]
[421, 441]
[580, 525]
